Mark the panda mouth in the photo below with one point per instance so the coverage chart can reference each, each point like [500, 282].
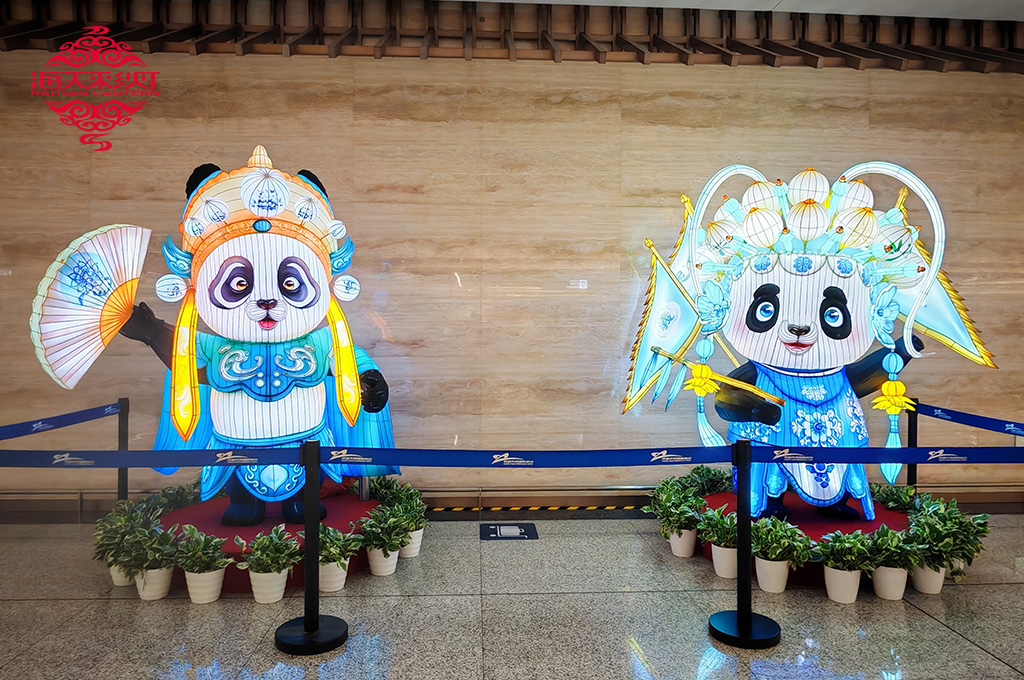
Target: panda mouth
[798, 347]
[266, 323]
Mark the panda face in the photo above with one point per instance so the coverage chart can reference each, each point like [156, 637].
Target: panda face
[812, 321]
[262, 288]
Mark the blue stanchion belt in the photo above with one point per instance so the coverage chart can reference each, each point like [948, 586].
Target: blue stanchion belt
[63, 420]
[981, 422]
[495, 459]
[353, 456]
[933, 455]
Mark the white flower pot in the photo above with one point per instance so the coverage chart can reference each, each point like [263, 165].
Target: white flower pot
[332, 576]
[380, 565]
[724, 560]
[771, 574]
[154, 584]
[842, 586]
[415, 541]
[117, 575]
[268, 588]
[205, 587]
[889, 582]
[683, 544]
[928, 581]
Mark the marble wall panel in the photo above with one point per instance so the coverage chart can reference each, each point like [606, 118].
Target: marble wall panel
[479, 196]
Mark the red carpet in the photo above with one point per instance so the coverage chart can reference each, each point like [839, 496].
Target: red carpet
[815, 525]
[206, 516]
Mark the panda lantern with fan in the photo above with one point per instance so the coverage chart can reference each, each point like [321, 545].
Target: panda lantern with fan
[800, 279]
[259, 248]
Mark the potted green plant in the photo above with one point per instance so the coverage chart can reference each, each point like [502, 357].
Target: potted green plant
[111, 530]
[678, 509]
[904, 499]
[269, 558]
[414, 512]
[949, 539]
[385, 531]
[844, 557]
[202, 558]
[778, 546]
[706, 480]
[893, 555]
[148, 555]
[718, 528]
[171, 498]
[335, 550]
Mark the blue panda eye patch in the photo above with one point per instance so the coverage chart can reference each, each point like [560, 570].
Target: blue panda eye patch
[834, 315]
[763, 311]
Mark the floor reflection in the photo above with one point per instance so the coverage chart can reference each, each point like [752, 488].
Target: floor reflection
[806, 665]
[364, 657]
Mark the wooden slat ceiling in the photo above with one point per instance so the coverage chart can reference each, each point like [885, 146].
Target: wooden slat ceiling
[427, 29]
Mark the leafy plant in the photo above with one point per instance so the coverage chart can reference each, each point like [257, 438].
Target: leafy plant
[385, 529]
[115, 526]
[171, 498]
[336, 547]
[899, 498]
[706, 481]
[200, 553]
[148, 546]
[896, 549]
[846, 552]
[777, 540]
[677, 507]
[948, 536]
[718, 527]
[386, 490]
[271, 553]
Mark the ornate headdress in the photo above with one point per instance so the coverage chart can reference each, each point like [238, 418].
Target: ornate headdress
[253, 199]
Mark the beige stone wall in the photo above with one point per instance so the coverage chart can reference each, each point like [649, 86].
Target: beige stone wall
[475, 192]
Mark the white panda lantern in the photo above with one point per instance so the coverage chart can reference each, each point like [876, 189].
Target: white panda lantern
[803, 302]
[259, 247]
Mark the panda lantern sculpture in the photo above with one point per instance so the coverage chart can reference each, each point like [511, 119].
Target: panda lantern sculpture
[258, 249]
[800, 279]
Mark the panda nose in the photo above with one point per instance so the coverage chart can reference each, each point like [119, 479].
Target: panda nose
[799, 330]
[270, 304]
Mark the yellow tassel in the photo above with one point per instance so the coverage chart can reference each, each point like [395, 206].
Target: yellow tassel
[701, 382]
[893, 400]
[184, 375]
[346, 375]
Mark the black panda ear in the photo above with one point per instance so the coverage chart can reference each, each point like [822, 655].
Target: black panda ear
[197, 177]
[310, 177]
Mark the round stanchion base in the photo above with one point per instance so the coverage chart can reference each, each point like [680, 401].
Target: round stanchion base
[764, 632]
[292, 638]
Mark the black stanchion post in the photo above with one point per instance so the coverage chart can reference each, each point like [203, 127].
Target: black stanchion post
[743, 628]
[122, 445]
[912, 420]
[364, 488]
[312, 633]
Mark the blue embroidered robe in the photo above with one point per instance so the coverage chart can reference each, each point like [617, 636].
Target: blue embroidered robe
[820, 411]
[268, 372]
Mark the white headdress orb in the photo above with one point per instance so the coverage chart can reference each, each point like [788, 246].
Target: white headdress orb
[762, 227]
[719, 232]
[857, 195]
[760, 195]
[808, 185]
[808, 219]
[859, 226]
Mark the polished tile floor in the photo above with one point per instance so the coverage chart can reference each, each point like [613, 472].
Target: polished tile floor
[591, 599]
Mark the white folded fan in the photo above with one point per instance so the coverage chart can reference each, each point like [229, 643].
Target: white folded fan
[85, 298]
